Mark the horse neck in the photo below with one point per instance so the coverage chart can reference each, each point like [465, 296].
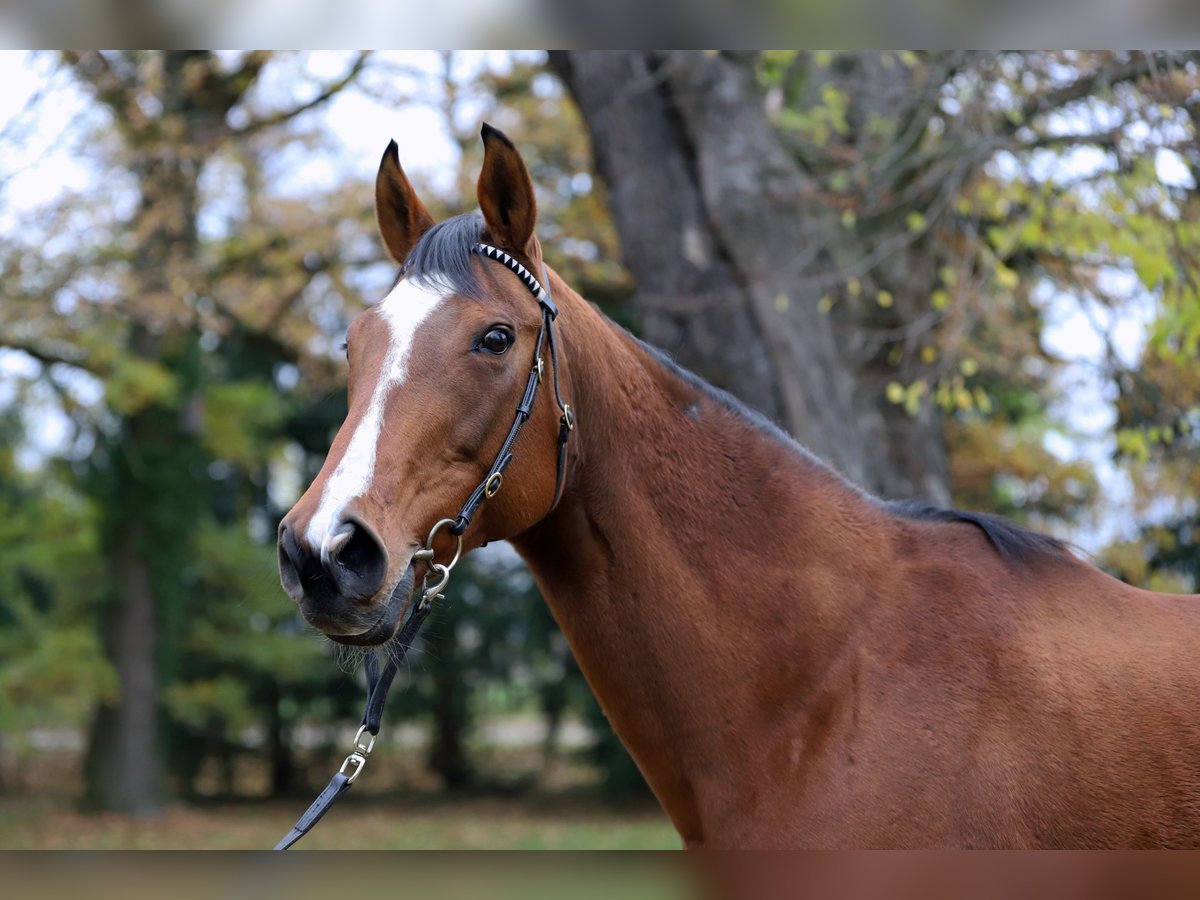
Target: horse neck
[702, 569]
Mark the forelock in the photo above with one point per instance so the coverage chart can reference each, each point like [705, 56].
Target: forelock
[442, 257]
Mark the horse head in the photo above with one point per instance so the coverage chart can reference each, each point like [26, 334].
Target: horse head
[436, 370]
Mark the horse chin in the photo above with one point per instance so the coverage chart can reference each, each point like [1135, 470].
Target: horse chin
[390, 616]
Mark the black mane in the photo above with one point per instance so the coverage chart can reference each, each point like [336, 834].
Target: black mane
[1010, 540]
[442, 257]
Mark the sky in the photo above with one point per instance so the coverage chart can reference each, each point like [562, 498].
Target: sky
[361, 125]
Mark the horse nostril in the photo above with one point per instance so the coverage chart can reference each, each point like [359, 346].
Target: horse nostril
[291, 561]
[356, 560]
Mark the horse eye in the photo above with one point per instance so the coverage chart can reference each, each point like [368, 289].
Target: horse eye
[496, 341]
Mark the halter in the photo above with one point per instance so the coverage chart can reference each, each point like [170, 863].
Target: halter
[380, 680]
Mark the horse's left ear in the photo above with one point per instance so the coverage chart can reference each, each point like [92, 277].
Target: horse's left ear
[506, 193]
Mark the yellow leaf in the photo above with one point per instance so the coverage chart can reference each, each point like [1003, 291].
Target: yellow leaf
[912, 396]
[884, 299]
[1007, 278]
[895, 392]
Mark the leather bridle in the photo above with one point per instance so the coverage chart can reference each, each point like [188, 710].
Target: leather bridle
[379, 680]
[566, 423]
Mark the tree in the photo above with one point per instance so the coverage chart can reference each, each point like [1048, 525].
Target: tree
[821, 233]
[149, 297]
[52, 668]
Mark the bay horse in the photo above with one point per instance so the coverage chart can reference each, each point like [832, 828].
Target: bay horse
[791, 661]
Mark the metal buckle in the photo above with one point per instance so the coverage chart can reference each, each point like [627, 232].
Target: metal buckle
[568, 417]
[541, 369]
[491, 487]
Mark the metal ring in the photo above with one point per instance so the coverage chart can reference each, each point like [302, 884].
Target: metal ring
[441, 523]
[568, 417]
[541, 369]
[491, 487]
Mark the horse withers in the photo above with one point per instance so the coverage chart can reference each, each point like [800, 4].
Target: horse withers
[791, 661]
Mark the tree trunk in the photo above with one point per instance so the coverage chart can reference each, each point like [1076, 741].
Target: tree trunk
[149, 475]
[122, 767]
[283, 764]
[451, 715]
[732, 246]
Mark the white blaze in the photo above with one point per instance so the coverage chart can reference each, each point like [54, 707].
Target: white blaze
[404, 309]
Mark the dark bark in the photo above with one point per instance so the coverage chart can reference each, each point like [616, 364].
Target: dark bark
[451, 715]
[283, 763]
[552, 699]
[123, 770]
[732, 244]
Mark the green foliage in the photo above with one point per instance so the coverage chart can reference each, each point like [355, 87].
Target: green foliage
[52, 668]
[136, 384]
[240, 419]
[201, 704]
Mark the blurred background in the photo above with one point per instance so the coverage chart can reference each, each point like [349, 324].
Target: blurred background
[971, 277]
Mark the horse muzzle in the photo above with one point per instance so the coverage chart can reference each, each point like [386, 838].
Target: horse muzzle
[340, 588]
[361, 628]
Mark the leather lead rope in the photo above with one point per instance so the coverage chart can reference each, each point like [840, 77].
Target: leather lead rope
[379, 681]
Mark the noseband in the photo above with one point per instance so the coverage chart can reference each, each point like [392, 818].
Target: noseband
[380, 680]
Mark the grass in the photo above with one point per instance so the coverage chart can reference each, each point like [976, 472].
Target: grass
[369, 823]
[524, 802]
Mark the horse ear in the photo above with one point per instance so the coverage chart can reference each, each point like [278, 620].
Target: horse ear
[506, 193]
[402, 217]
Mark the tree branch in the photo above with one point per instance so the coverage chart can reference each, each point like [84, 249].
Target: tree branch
[327, 93]
[47, 357]
[114, 90]
[1107, 76]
